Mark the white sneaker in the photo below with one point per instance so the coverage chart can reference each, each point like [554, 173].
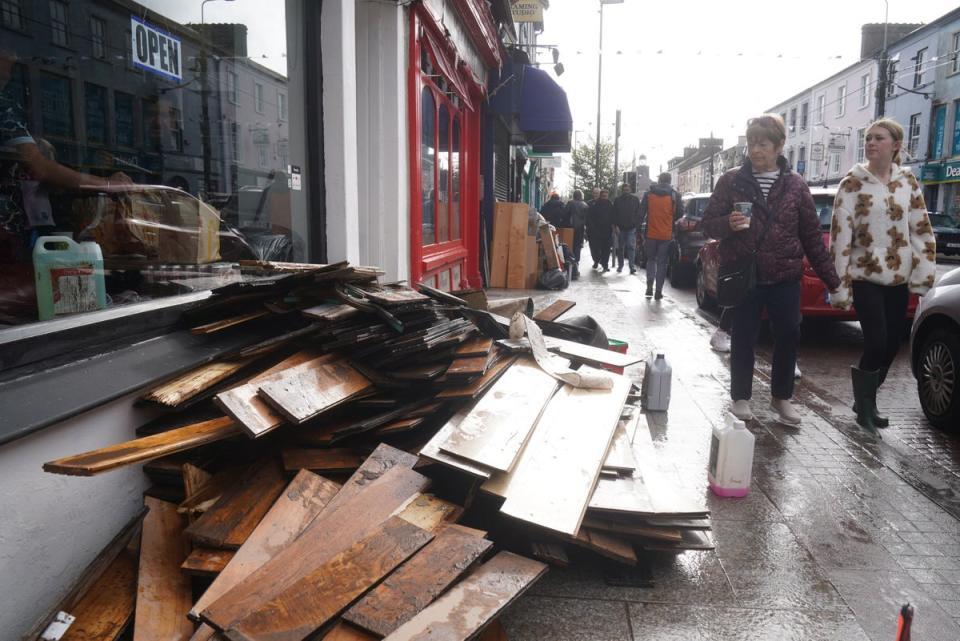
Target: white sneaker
[720, 341]
[796, 371]
[786, 412]
[741, 409]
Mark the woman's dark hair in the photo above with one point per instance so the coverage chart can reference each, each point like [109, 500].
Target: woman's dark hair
[577, 194]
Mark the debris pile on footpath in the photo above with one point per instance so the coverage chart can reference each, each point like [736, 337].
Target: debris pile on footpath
[383, 465]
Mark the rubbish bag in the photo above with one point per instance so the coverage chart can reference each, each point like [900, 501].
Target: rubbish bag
[553, 279]
[581, 329]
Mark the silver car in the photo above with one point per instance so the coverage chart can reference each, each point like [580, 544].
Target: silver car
[935, 351]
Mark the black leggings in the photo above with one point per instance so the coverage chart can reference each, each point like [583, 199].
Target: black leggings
[882, 310]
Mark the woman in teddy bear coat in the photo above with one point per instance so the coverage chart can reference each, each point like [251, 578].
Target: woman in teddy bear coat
[883, 249]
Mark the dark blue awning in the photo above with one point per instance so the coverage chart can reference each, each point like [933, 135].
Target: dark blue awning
[544, 112]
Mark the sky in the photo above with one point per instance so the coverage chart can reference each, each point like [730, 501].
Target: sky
[680, 70]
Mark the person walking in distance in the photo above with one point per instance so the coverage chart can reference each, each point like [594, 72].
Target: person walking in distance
[577, 216]
[599, 226]
[660, 207]
[626, 217]
[782, 228]
[554, 211]
[884, 249]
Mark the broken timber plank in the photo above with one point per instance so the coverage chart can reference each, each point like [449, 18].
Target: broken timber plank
[306, 391]
[555, 310]
[428, 512]
[328, 535]
[418, 581]
[607, 545]
[206, 562]
[552, 553]
[319, 595]
[478, 346]
[106, 609]
[322, 461]
[474, 602]
[145, 449]
[194, 479]
[431, 450]
[186, 386]
[252, 412]
[163, 591]
[216, 326]
[620, 458]
[231, 519]
[479, 386]
[551, 484]
[202, 499]
[496, 429]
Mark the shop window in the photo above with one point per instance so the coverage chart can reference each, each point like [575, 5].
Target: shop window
[428, 153]
[123, 118]
[97, 31]
[443, 175]
[455, 182]
[11, 14]
[56, 105]
[95, 111]
[59, 24]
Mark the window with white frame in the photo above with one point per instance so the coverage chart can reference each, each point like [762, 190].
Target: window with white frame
[892, 78]
[263, 156]
[821, 108]
[11, 14]
[804, 115]
[283, 153]
[97, 29]
[236, 143]
[864, 90]
[233, 87]
[790, 158]
[841, 100]
[281, 106]
[918, 67]
[913, 135]
[955, 52]
[802, 161]
[835, 163]
[59, 25]
[793, 120]
[258, 97]
[861, 135]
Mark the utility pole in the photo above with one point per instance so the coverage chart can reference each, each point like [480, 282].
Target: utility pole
[616, 153]
[596, 156]
[882, 75]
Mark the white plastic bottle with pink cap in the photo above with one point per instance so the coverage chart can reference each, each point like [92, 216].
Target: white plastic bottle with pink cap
[731, 458]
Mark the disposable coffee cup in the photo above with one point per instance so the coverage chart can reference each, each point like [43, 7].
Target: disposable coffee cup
[745, 209]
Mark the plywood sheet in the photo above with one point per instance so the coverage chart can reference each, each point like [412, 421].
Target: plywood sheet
[474, 602]
[558, 469]
[306, 391]
[517, 261]
[320, 594]
[163, 591]
[500, 244]
[145, 449]
[495, 430]
[418, 581]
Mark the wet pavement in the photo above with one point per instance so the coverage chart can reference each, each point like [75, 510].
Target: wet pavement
[839, 529]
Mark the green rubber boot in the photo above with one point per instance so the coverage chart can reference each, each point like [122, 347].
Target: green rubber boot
[865, 385]
[878, 420]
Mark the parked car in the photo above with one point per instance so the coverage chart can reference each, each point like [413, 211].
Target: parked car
[947, 232]
[688, 240]
[813, 292]
[935, 351]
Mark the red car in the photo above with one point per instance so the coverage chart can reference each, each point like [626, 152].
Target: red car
[813, 293]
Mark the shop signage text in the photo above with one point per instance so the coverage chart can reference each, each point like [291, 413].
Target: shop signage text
[526, 10]
[947, 172]
[155, 50]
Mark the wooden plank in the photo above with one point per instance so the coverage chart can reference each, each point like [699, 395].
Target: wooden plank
[548, 241]
[633, 530]
[552, 553]
[395, 296]
[692, 540]
[326, 536]
[231, 519]
[500, 244]
[345, 632]
[219, 325]
[301, 502]
[194, 479]
[517, 260]
[163, 591]
[429, 512]
[474, 602]
[252, 412]
[468, 367]
[318, 596]
[431, 450]
[532, 263]
[477, 346]
[205, 497]
[479, 386]
[145, 449]
[555, 310]
[577, 351]
[620, 457]
[106, 608]
[206, 562]
[496, 429]
[381, 460]
[332, 312]
[399, 426]
[308, 390]
[552, 483]
[186, 386]
[418, 581]
[322, 461]
[605, 544]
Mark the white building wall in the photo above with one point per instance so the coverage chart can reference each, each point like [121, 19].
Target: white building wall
[53, 526]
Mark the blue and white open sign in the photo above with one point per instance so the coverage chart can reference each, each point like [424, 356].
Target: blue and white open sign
[155, 50]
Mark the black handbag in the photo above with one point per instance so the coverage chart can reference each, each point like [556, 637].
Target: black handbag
[736, 281]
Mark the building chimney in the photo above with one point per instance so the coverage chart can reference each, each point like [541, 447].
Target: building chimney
[231, 39]
[871, 36]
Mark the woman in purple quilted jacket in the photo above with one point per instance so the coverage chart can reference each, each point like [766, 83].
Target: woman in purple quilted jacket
[781, 228]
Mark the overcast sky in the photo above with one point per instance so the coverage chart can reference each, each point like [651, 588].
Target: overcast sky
[681, 69]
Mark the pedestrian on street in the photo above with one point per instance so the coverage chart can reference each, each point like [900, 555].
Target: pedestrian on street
[577, 215]
[626, 217]
[555, 212]
[660, 207]
[782, 228]
[884, 249]
[599, 228]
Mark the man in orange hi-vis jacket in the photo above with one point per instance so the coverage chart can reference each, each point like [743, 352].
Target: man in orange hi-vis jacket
[660, 207]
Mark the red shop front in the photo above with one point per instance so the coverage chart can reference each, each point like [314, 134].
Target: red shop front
[445, 99]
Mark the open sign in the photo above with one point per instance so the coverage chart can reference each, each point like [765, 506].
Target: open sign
[155, 50]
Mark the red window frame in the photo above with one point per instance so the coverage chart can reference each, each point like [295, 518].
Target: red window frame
[452, 263]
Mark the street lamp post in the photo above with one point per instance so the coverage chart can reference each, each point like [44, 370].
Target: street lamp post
[596, 158]
[202, 4]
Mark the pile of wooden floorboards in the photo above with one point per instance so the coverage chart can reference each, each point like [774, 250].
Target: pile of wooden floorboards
[340, 480]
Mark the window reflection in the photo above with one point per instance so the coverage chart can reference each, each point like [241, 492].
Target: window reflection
[455, 183]
[427, 161]
[443, 176]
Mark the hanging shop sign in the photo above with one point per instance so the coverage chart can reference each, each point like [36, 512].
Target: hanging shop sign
[526, 10]
[155, 50]
[816, 152]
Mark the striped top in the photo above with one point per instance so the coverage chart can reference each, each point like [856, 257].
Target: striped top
[766, 180]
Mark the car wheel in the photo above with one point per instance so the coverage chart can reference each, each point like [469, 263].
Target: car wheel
[937, 385]
[704, 301]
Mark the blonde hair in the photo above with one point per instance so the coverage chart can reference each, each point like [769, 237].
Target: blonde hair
[896, 132]
[769, 126]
